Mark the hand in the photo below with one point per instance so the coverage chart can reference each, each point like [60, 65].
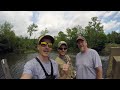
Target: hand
[67, 57]
[66, 66]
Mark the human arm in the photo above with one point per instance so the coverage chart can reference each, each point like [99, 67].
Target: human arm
[26, 76]
[99, 73]
[98, 66]
[27, 71]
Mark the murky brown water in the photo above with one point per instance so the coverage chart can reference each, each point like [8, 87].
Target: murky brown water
[16, 62]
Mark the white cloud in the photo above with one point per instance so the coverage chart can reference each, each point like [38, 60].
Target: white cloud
[109, 13]
[55, 21]
[51, 20]
[111, 25]
[117, 15]
[19, 19]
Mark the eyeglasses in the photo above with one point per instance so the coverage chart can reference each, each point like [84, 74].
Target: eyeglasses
[62, 48]
[43, 44]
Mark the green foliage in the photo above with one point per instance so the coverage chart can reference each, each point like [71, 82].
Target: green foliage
[32, 28]
[72, 35]
[93, 33]
[70, 38]
[106, 50]
[114, 37]
[60, 37]
[7, 36]
[9, 42]
[44, 32]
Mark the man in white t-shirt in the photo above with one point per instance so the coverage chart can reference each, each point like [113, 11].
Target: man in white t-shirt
[42, 67]
[88, 62]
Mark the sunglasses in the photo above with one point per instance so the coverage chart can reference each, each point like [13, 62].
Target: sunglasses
[62, 48]
[43, 44]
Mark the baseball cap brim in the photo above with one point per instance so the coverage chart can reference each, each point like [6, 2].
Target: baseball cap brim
[47, 37]
[80, 38]
[62, 43]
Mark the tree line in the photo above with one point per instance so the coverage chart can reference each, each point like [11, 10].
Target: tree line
[93, 32]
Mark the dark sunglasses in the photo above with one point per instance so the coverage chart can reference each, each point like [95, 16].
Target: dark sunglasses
[43, 44]
[62, 48]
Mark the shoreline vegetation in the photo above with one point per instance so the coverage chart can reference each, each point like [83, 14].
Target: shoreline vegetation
[93, 32]
[104, 52]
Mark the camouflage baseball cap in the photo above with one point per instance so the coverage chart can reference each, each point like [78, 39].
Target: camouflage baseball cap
[80, 38]
[61, 43]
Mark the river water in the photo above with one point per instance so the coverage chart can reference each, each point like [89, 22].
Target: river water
[16, 62]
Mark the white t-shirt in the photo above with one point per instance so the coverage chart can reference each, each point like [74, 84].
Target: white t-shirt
[33, 67]
[86, 64]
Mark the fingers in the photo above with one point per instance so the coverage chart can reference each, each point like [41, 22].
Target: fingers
[68, 58]
[65, 67]
[68, 63]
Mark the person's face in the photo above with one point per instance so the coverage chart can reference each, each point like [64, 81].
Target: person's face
[62, 50]
[82, 44]
[45, 47]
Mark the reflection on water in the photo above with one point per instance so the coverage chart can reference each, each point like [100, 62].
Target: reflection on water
[16, 62]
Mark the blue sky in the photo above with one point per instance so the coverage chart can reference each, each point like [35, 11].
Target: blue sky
[56, 21]
[35, 16]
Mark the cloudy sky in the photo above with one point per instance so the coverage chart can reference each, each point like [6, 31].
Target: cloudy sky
[56, 21]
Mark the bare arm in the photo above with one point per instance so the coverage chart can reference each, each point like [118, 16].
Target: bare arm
[99, 73]
[26, 76]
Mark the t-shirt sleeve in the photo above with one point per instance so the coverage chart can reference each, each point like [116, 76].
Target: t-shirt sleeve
[97, 60]
[58, 75]
[28, 68]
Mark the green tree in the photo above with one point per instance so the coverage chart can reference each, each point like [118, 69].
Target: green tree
[72, 35]
[113, 37]
[95, 35]
[44, 32]
[7, 36]
[31, 29]
[60, 37]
